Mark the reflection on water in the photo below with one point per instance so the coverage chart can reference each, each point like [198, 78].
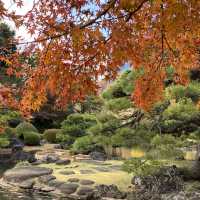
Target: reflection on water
[8, 195]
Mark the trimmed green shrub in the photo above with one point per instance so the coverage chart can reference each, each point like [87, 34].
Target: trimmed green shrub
[178, 92]
[25, 127]
[119, 104]
[50, 135]
[183, 110]
[4, 142]
[92, 104]
[142, 167]
[31, 138]
[107, 124]
[63, 138]
[83, 144]
[124, 137]
[10, 132]
[76, 124]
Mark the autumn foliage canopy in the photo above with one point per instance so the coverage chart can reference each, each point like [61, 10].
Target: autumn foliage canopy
[77, 42]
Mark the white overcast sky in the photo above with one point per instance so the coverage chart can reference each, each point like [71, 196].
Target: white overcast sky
[21, 11]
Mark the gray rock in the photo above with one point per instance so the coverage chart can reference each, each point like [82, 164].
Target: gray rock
[57, 146]
[16, 144]
[68, 188]
[47, 189]
[51, 158]
[55, 183]
[28, 184]
[20, 174]
[45, 179]
[85, 191]
[67, 172]
[87, 182]
[73, 180]
[63, 162]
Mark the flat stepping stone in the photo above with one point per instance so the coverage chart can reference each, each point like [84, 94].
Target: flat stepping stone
[55, 183]
[63, 162]
[102, 169]
[85, 191]
[86, 182]
[28, 184]
[67, 172]
[46, 179]
[19, 174]
[73, 180]
[87, 172]
[47, 189]
[68, 188]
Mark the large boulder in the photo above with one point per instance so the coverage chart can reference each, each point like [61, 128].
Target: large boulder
[20, 174]
[16, 144]
[166, 180]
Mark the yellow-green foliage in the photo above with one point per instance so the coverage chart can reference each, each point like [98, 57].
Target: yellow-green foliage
[178, 92]
[5, 116]
[31, 138]
[25, 127]
[4, 142]
[182, 110]
[83, 144]
[50, 135]
[118, 104]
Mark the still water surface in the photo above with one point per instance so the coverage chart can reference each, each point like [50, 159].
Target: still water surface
[8, 195]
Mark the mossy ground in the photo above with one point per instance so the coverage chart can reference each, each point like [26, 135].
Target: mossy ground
[115, 176]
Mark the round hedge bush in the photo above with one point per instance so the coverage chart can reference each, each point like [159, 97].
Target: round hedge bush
[50, 135]
[83, 144]
[25, 127]
[31, 138]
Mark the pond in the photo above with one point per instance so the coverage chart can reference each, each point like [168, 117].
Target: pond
[9, 195]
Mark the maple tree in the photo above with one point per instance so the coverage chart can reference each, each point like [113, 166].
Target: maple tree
[76, 42]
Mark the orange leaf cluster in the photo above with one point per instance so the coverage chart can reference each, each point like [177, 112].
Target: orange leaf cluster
[77, 42]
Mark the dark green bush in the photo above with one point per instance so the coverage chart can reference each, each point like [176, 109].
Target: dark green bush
[92, 104]
[31, 138]
[124, 137]
[183, 110]
[64, 139]
[50, 135]
[83, 144]
[107, 124]
[76, 124]
[25, 127]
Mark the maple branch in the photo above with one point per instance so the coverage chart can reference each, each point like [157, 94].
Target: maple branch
[136, 10]
[168, 45]
[89, 23]
[92, 21]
